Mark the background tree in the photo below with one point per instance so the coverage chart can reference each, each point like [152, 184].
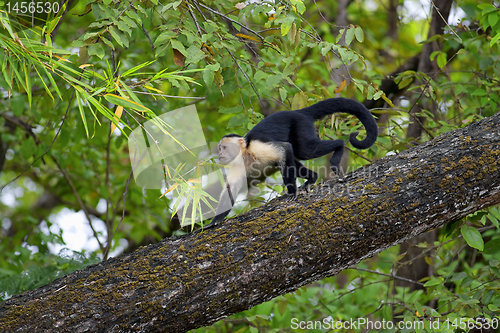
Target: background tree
[101, 62]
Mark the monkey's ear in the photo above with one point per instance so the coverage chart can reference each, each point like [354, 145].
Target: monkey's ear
[242, 142]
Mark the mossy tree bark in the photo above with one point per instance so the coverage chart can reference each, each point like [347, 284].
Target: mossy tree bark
[191, 281]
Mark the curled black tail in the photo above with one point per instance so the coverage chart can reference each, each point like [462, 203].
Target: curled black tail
[338, 105]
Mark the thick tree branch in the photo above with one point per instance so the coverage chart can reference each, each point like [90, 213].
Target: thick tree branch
[191, 281]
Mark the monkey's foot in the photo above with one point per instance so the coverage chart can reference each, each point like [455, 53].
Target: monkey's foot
[210, 225]
[291, 197]
[304, 189]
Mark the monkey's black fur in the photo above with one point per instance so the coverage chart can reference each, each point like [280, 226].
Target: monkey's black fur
[295, 132]
[297, 128]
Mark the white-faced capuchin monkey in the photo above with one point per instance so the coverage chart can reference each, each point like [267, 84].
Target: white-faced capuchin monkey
[280, 141]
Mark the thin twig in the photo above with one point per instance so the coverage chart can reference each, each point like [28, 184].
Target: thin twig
[422, 93]
[149, 38]
[113, 61]
[301, 30]
[79, 200]
[352, 151]
[358, 154]
[108, 221]
[50, 146]
[199, 10]
[250, 84]
[195, 21]
[123, 11]
[309, 24]
[388, 275]
[231, 20]
[124, 195]
[437, 10]
[321, 14]
[170, 96]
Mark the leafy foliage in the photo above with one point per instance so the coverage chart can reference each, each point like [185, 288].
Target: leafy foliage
[41, 269]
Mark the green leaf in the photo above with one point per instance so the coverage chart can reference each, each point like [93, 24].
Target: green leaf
[360, 36]
[116, 36]
[485, 62]
[136, 68]
[406, 81]
[341, 32]
[118, 100]
[124, 27]
[194, 54]
[107, 42]
[82, 113]
[419, 308]
[27, 147]
[301, 8]
[326, 48]
[237, 120]
[349, 36]
[133, 15]
[282, 305]
[286, 25]
[387, 100]
[129, 21]
[472, 237]
[492, 247]
[178, 46]
[283, 94]
[434, 281]
[495, 39]
[236, 109]
[208, 74]
[174, 4]
[53, 23]
[299, 101]
[467, 281]
[441, 59]
[487, 6]
[479, 92]
[459, 276]
[97, 50]
[433, 55]
[493, 19]
[487, 296]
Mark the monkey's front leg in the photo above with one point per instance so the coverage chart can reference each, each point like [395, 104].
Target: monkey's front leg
[227, 198]
[216, 220]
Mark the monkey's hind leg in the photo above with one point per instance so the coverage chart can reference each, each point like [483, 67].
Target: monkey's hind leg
[307, 174]
[336, 158]
[289, 169]
[314, 147]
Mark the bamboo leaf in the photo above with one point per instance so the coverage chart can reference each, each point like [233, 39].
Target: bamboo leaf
[118, 114]
[118, 100]
[82, 113]
[340, 87]
[247, 37]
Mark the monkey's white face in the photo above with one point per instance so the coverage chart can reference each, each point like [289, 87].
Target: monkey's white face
[228, 150]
